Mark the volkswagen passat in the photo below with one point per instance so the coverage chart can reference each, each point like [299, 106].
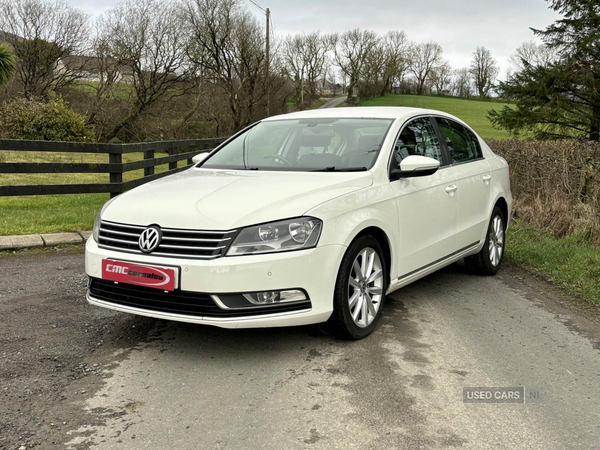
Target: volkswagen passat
[310, 217]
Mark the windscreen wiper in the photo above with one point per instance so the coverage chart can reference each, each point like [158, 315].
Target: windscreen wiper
[341, 169]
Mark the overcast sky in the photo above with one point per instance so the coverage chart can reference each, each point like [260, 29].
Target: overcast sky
[458, 25]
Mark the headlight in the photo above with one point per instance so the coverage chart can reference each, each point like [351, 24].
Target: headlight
[283, 236]
[96, 229]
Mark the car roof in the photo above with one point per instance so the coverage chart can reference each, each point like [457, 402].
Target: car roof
[370, 112]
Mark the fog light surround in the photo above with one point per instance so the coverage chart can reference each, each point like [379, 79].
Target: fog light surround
[252, 300]
[275, 297]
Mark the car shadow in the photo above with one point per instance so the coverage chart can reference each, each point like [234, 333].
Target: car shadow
[210, 341]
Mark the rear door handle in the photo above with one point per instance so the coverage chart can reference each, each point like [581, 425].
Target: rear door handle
[451, 189]
[487, 178]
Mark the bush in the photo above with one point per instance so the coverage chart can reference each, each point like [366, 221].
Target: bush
[555, 184]
[36, 120]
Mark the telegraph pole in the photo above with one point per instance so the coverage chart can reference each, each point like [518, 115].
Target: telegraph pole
[267, 84]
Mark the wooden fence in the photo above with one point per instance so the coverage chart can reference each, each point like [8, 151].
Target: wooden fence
[177, 151]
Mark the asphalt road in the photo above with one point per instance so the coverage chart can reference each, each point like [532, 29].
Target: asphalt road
[334, 102]
[192, 387]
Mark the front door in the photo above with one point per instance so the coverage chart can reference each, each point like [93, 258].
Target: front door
[427, 206]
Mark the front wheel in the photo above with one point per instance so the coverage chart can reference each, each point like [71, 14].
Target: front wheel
[359, 291]
[489, 259]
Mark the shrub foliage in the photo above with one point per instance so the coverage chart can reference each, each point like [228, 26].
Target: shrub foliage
[555, 184]
[52, 121]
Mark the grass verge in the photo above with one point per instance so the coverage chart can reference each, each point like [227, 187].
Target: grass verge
[318, 103]
[567, 261]
[49, 213]
[315, 104]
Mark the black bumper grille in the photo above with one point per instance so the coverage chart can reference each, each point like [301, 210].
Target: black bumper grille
[177, 243]
[176, 302]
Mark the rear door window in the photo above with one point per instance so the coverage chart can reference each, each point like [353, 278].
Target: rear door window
[463, 145]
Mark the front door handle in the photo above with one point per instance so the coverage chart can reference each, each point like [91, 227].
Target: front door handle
[451, 189]
[486, 178]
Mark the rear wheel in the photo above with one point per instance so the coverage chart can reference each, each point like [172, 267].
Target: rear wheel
[360, 290]
[489, 259]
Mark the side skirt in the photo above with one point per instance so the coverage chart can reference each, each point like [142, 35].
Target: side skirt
[432, 267]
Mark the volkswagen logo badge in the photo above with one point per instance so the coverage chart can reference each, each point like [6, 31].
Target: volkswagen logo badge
[150, 239]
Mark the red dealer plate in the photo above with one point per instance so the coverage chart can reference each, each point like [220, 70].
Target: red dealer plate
[123, 272]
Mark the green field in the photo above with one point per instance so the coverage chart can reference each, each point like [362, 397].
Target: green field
[473, 112]
[57, 213]
[49, 213]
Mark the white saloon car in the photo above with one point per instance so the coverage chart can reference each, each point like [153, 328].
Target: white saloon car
[310, 217]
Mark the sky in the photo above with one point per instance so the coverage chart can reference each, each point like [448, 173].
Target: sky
[458, 25]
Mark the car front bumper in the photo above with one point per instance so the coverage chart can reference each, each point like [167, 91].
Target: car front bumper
[312, 270]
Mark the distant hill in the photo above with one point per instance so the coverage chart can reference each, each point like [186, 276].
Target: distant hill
[473, 112]
[8, 37]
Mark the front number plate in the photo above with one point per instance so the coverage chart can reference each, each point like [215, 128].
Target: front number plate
[123, 272]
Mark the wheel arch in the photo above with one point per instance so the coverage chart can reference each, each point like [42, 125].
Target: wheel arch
[500, 202]
[384, 241]
[503, 205]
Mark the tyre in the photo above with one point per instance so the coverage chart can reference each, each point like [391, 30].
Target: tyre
[359, 291]
[489, 259]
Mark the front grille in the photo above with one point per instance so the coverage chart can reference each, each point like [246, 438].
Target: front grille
[175, 242]
[177, 302]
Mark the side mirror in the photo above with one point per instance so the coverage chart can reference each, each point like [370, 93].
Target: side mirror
[415, 166]
[200, 157]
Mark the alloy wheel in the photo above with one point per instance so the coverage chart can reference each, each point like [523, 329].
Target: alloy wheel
[365, 287]
[496, 240]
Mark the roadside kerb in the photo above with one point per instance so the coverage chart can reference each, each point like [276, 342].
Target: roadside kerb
[42, 240]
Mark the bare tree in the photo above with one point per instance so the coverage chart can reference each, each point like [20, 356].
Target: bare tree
[211, 26]
[250, 42]
[144, 38]
[396, 47]
[531, 53]
[305, 56]
[371, 80]
[333, 78]
[350, 50]
[425, 57]
[441, 77]
[484, 71]
[109, 71]
[296, 63]
[315, 51]
[462, 85]
[46, 38]
[227, 48]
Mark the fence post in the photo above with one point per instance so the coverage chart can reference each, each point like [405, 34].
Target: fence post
[116, 158]
[148, 154]
[172, 151]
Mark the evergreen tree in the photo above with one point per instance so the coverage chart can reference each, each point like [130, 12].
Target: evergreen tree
[560, 99]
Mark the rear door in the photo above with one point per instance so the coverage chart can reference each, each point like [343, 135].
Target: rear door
[427, 206]
[473, 177]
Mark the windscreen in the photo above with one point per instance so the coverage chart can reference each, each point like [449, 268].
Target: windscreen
[336, 145]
